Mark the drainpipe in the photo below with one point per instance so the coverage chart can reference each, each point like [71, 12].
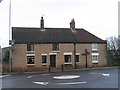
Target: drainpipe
[75, 54]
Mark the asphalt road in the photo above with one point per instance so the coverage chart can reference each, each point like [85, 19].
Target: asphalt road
[105, 78]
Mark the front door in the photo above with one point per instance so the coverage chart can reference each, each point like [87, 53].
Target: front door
[53, 60]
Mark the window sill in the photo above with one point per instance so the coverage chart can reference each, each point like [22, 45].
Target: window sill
[44, 64]
[95, 62]
[30, 51]
[29, 65]
[94, 49]
[55, 51]
[68, 63]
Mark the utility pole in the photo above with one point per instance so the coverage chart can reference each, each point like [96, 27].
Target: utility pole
[10, 37]
[85, 54]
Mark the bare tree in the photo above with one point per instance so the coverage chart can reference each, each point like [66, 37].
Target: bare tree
[113, 47]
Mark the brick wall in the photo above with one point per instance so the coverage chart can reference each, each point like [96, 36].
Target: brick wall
[19, 62]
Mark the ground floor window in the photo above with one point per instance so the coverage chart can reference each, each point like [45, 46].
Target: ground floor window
[77, 58]
[44, 59]
[94, 58]
[30, 59]
[67, 58]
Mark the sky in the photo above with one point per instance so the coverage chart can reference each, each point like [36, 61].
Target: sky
[99, 17]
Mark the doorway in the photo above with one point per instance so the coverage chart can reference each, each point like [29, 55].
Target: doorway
[53, 61]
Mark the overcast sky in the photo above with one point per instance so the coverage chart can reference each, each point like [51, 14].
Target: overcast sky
[99, 17]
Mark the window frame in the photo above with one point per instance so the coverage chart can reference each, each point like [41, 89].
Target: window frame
[78, 58]
[30, 47]
[94, 47]
[95, 60]
[68, 61]
[44, 63]
[32, 61]
[55, 47]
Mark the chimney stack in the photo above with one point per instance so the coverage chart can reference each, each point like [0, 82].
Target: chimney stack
[42, 24]
[72, 24]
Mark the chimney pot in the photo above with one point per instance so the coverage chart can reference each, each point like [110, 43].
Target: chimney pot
[72, 24]
[42, 24]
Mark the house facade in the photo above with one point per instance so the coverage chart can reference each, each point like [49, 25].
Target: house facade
[37, 49]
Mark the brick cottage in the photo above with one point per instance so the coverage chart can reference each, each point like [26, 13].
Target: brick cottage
[37, 49]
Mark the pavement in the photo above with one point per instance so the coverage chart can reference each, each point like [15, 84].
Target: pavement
[81, 69]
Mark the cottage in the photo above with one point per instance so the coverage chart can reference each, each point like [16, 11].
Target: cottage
[56, 48]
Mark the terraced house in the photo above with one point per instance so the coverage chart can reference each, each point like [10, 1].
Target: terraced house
[56, 48]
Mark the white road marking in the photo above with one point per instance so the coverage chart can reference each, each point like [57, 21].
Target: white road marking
[4, 76]
[66, 77]
[104, 74]
[71, 83]
[29, 76]
[107, 75]
[41, 83]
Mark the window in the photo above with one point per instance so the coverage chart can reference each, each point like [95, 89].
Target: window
[67, 58]
[30, 59]
[94, 46]
[76, 58]
[55, 47]
[94, 58]
[44, 59]
[30, 47]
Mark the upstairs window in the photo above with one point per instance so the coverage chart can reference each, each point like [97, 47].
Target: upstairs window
[55, 47]
[30, 47]
[94, 46]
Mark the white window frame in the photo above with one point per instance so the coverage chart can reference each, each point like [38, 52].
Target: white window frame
[65, 54]
[94, 47]
[95, 54]
[27, 59]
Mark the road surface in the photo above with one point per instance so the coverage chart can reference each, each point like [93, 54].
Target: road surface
[104, 78]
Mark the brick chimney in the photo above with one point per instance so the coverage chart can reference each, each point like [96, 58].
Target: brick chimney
[42, 24]
[72, 24]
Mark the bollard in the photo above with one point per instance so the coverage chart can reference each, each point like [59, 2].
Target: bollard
[49, 68]
[62, 67]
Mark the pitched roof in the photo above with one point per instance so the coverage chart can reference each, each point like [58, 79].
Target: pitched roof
[53, 35]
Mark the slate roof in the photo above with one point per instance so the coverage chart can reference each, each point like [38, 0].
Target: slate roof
[53, 35]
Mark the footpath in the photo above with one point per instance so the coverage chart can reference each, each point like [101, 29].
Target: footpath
[54, 71]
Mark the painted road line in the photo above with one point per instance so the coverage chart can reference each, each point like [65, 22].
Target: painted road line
[29, 76]
[106, 75]
[103, 74]
[4, 76]
[71, 83]
[41, 83]
[66, 77]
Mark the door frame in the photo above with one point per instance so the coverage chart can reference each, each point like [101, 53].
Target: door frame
[54, 61]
